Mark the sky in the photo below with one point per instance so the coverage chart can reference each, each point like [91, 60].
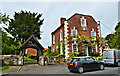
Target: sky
[105, 12]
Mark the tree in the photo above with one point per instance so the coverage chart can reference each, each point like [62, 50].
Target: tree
[109, 39]
[4, 18]
[115, 42]
[0, 40]
[24, 25]
[101, 41]
[114, 39]
[8, 44]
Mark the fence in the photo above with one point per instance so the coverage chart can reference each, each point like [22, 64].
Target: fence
[51, 60]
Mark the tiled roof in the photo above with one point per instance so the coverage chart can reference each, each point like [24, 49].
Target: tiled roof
[32, 36]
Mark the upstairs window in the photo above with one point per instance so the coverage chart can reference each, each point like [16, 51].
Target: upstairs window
[83, 21]
[74, 32]
[61, 36]
[93, 33]
[53, 39]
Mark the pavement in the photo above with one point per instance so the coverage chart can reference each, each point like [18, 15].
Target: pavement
[11, 70]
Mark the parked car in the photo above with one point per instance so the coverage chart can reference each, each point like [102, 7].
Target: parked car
[111, 57]
[81, 64]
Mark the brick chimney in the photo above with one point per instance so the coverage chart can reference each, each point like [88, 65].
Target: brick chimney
[62, 20]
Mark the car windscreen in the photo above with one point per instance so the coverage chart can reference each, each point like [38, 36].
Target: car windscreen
[90, 59]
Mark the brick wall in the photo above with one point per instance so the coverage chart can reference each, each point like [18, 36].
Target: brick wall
[31, 51]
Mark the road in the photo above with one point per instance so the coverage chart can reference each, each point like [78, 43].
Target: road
[54, 69]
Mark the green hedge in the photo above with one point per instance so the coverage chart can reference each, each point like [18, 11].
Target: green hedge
[95, 54]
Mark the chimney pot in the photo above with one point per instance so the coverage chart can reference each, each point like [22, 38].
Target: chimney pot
[62, 20]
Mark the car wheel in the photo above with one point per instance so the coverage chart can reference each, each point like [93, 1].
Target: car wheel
[118, 64]
[81, 70]
[102, 67]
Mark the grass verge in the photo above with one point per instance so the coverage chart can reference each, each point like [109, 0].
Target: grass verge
[3, 68]
[29, 59]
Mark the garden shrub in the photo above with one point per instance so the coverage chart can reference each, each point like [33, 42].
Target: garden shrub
[11, 63]
[95, 54]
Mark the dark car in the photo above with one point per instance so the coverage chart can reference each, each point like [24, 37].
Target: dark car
[81, 64]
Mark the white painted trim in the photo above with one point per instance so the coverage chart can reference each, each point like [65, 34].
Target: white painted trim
[87, 50]
[61, 49]
[73, 30]
[60, 36]
[76, 31]
[65, 38]
[96, 47]
[26, 51]
[53, 39]
[94, 33]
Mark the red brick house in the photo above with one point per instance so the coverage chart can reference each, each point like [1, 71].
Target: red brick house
[78, 23]
[31, 51]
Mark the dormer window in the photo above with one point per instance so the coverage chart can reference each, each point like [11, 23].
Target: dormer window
[83, 21]
[74, 32]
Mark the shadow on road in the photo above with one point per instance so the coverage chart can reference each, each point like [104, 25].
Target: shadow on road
[113, 66]
[29, 63]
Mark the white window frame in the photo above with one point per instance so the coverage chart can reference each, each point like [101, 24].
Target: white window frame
[94, 33]
[95, 48]
[76, 47]
[74, 30]
[61, 35]
[53, 39]
[82, 21]
[61, 49]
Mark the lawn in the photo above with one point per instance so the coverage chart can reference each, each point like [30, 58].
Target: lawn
[29, 59]
[26, 59]
[3, 68]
